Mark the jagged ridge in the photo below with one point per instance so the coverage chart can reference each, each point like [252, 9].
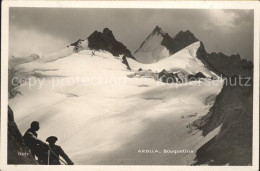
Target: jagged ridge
[104, 41]
[172, 44]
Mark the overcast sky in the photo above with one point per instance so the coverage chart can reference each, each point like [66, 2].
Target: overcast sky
[44, 30]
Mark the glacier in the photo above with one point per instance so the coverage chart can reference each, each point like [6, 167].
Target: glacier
[105, 117]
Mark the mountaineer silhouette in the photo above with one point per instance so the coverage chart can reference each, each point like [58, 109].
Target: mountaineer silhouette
[56, 152]
[93, 53]
[37, 147]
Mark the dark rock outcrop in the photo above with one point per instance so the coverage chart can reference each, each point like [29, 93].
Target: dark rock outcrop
[169, 77]
[106, 41]
[195, 77]
[180, 41]
[18, 153]
[229, 65]
[202, 56]
[224, 65]
[233, 109]
[76, 43]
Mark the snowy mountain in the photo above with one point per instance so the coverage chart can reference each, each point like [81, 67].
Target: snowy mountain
[96, 41]
[92, 114]
[151, 49]
[89, 103]
[184, 62]
[159, 45]
[103, 115]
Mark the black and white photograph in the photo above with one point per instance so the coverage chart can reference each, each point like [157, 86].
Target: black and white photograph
[131, 86]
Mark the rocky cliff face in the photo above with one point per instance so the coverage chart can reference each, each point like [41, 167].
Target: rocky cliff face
[178, 42]
[18, 153]
[233, 109]
[106, 41]
[230, 65]
[202, 55]
[225, 65]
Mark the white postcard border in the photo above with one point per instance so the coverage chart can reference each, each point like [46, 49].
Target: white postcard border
[126, 4]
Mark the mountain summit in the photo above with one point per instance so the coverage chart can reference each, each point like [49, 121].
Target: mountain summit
[159, 45]
[87, 90]
[96, 41]
[103, 41]
[158, 30]
[178, 42]
[106, 41]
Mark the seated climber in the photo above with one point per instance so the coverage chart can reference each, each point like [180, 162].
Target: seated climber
[37, 147]
[56, 152]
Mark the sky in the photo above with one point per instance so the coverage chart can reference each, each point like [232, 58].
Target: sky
[46, 30]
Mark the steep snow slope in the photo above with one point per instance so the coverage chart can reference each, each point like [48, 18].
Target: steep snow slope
[159, 44]
[77, 64]
[103, 117]
[59, 54]
[184, 60]
[151, 50]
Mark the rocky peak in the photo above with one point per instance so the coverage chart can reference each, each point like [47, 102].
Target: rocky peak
[76, 43]
[103, 41]
[178, 42]
[107, 32]
[106, 41]
[230, 65]
[187, 32]
[235, 57]
[158, 38]
[187, 36]
[158, 30]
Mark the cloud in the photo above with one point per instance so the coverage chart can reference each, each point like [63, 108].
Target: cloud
[227, 31]
[24, 42]
[224, 20]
